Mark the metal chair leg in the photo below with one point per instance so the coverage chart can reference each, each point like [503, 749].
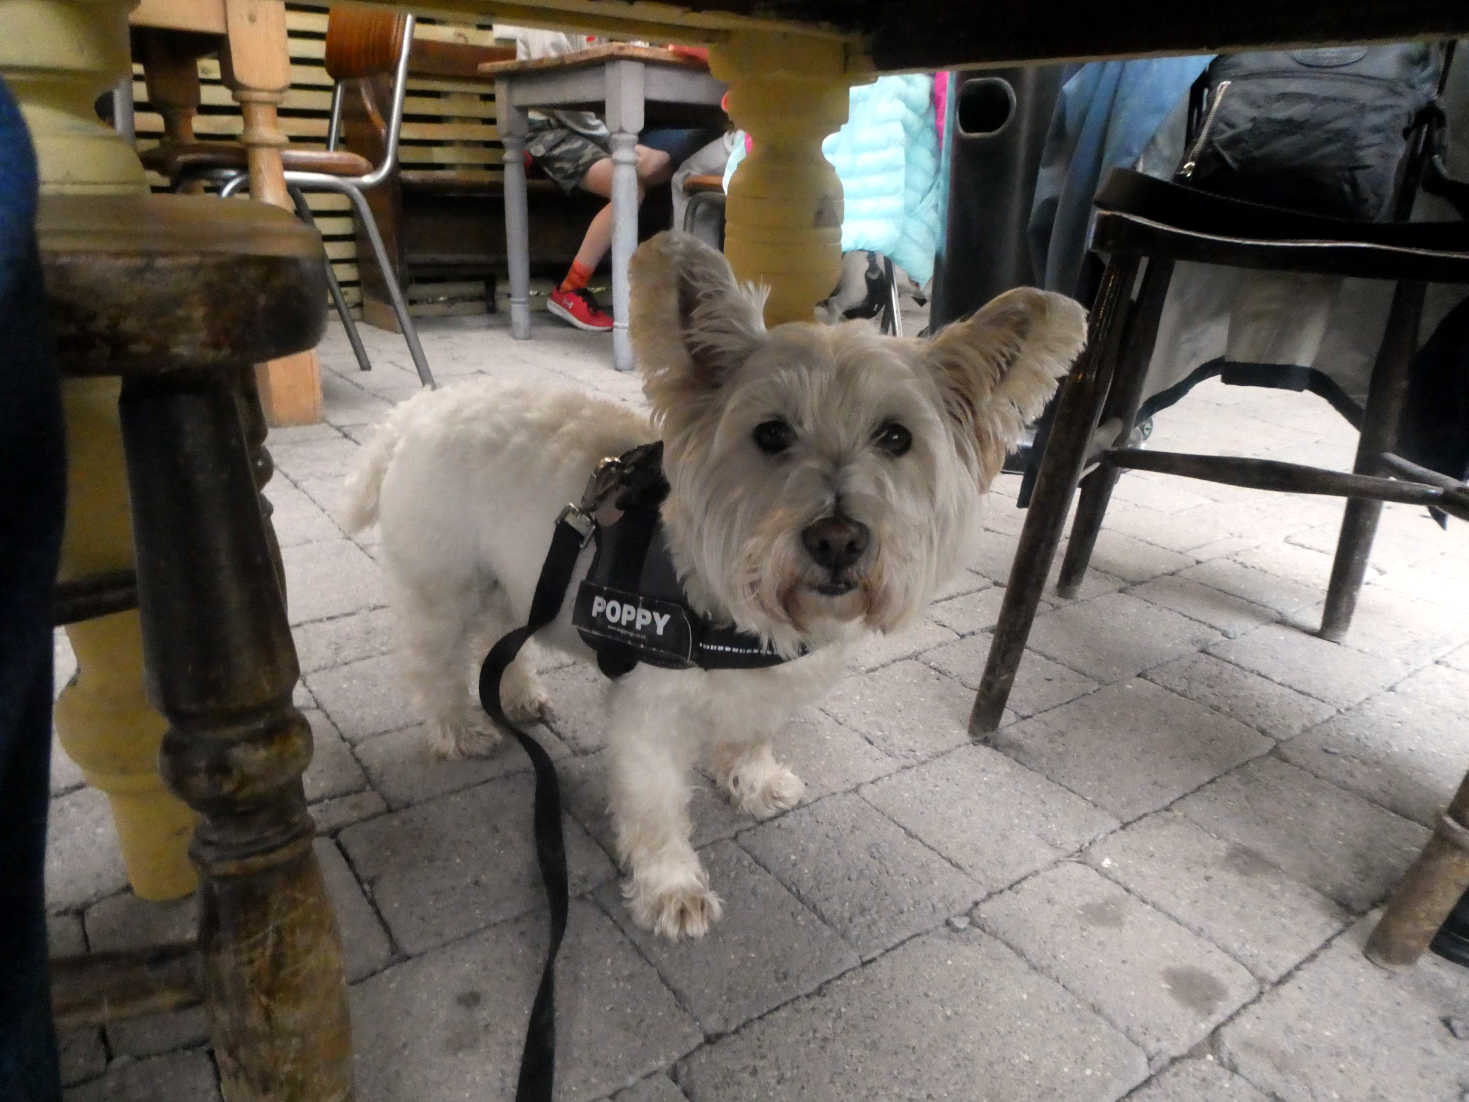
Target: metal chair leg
[303, 210]
[1123, 400]
[1385, 398]
[1077, 411]
[892, 314]
[395, 293]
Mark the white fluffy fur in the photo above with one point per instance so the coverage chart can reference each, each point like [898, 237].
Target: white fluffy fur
[465, 484]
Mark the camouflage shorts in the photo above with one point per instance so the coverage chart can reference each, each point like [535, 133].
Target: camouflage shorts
[562, 154]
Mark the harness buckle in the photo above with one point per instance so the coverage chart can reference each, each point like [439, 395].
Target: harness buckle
[579, 521]
[605, 482]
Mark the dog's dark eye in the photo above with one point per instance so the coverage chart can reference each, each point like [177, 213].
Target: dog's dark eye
[773, 437]
[893, 438]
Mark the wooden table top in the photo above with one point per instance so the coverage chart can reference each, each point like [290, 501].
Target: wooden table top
[596, 55]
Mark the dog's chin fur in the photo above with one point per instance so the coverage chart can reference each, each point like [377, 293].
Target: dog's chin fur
[465, 484]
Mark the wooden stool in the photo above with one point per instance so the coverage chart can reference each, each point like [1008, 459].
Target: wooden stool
[178, 296]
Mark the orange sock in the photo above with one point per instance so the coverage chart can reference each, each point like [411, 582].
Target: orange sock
[576, 278]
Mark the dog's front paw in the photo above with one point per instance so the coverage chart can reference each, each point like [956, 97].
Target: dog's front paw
[757, 783]
[474, 736]
[686, 907]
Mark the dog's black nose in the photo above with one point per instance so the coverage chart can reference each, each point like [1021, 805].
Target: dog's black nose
[835, 542]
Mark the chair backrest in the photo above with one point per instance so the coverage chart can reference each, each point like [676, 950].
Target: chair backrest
[364, 41]
[366, 44]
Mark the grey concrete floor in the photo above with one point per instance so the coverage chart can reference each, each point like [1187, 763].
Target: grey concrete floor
[1154, 882]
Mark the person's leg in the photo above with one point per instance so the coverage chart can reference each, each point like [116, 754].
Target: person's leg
[31, 452]
[571, 301]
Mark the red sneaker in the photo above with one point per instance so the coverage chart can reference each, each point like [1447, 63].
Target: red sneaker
[580, 309]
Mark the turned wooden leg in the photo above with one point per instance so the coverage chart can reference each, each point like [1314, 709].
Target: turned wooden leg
[256, 65]
[1385, 398]
[221, 667]
[1077, 410]
[783, 215]
[625, 121]
[517, 225]
[103, 718]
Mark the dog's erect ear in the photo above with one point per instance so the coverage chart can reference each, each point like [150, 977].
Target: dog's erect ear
[997, 369]
[691, 321]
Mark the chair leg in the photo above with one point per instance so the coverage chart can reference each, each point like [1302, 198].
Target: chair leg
[395, 293]
[222, 669]
[1123, 400]
[1077, 410]
[303, 211]
[1428, 891]
[1385, 398]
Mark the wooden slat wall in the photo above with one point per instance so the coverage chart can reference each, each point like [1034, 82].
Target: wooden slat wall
[446, 124]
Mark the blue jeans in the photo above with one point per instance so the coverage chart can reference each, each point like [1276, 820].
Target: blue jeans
[31, 509]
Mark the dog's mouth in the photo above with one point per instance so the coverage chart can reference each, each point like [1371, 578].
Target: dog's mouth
[835, 587]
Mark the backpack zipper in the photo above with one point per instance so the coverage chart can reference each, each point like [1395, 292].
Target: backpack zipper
[1191, 158]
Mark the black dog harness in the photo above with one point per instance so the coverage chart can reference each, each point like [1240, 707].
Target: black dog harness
[629, 609]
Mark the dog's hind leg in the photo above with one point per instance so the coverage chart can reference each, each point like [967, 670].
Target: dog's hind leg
[756, 783]
[439, 636]
[667, 889]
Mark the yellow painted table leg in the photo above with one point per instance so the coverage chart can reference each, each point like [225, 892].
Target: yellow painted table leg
[58, 56]
[103, 719]
[783, 215]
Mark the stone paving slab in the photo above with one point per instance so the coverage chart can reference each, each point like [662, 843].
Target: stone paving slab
[327, 579]
[1341, 1027]
[767, 949]
[658, 1088]
[1116, 636]
[1271, 708]
[184, 1076]
[1260, 587]
[326, 643]
[333, 770]
[1339, 675]
[1040, 684]
[365, 698]
[83, 862]
[459, 862]
[1131, 748]
[972, 612]
[404, 769]
[124, 921]
[1324, 836]
[1222, 890]
[331, 815]
[907, 710]
[995, 819]
[866, 877]
[296, 518]
[1163, 986]
[467, 1002]
[1220, 610]
[883, 650]
[1198, 1079]
[1402, 627]
[1399, 749]
[933, 1019]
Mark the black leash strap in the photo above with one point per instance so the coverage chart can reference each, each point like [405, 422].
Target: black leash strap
[538, 1057]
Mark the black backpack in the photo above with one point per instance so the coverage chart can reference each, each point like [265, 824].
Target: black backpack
[1321, 130]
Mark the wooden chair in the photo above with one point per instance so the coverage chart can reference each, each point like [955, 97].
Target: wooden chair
[177, 306]
[362, 44]
[1143, 226]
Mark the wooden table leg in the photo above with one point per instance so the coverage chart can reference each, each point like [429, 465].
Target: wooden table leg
[783, 216]
[625, 121]
[222, 669]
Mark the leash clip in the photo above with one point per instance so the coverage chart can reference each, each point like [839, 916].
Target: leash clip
[606, 480]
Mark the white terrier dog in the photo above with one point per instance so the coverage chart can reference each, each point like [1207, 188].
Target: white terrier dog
[824, 482]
